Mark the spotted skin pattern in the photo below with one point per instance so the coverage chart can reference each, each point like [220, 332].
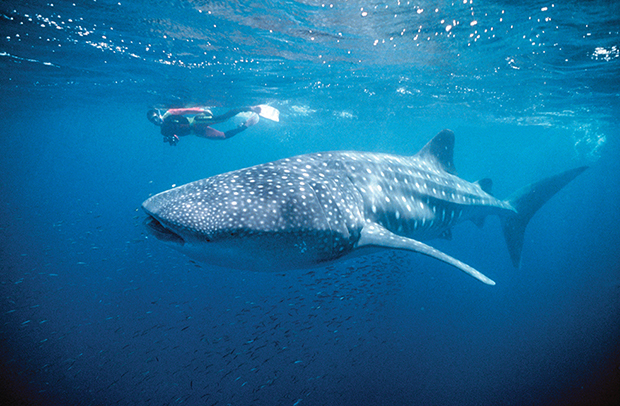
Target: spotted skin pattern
[302, 206]
[308, 210]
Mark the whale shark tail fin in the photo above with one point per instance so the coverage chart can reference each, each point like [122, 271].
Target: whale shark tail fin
[526, 202]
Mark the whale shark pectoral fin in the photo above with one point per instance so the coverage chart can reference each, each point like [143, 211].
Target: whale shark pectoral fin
[376, 235]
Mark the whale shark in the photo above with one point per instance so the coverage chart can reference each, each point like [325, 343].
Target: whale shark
[309, 210]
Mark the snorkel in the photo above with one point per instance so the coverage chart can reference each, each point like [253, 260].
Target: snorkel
[154, 117]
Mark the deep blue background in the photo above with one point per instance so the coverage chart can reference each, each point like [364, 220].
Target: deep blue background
[95, 312]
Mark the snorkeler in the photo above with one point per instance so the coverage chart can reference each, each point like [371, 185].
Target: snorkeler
[177, 123]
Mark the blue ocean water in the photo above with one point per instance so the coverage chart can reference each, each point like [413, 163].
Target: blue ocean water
[95, 312]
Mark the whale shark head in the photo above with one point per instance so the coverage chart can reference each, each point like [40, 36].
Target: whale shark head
[281, 215]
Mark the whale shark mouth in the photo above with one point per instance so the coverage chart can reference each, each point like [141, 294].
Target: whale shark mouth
[159, 231]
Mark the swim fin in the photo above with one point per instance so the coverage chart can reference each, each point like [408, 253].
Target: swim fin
[268, 112]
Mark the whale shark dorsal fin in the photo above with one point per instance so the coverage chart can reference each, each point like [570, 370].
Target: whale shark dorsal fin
[376, 235]
[486, 185]
[440, 151]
